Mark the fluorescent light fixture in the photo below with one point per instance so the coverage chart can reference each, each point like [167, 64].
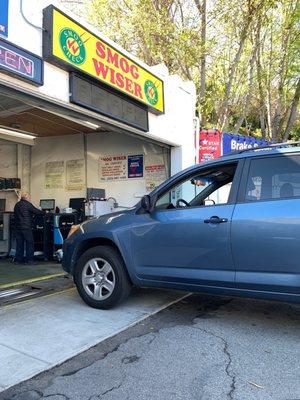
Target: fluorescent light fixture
[16, 136]
[91, 125]
[69, 118]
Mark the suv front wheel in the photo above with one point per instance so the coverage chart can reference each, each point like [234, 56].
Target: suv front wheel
[101, 278]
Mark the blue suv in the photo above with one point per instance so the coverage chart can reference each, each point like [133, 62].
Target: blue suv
[229, 226]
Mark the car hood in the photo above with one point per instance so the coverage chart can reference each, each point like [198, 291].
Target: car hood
[109, 221]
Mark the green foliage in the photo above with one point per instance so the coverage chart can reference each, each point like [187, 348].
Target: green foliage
[251, 50]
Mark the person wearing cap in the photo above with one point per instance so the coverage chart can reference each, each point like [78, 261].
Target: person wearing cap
[24, 211]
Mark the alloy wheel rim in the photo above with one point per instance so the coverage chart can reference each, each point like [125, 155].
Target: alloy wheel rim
[98, 279]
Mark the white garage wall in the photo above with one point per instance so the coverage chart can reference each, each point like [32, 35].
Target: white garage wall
[8, 169]
[8, 159]
[98, 144]
[14, 163]
[24, 166]
[177, 124]
[54, 149]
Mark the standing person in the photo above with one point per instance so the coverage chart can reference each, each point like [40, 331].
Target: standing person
[24, 211]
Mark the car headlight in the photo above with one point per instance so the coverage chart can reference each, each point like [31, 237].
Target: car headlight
[75, 228]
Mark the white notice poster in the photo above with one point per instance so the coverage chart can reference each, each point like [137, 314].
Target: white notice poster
[155, 171]
[54, 175]
[75, 175]
[112, 168]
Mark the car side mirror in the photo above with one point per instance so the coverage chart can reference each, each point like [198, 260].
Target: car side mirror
[146, 203]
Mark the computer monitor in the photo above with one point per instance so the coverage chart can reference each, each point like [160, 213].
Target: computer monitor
[77, 203]
[95, 193]
[47, 204]
[2, 205]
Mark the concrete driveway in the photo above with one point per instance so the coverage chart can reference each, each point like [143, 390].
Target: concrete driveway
[203, 347]
[38, 334]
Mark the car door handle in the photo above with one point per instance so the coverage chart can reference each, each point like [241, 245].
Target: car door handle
[215, 220]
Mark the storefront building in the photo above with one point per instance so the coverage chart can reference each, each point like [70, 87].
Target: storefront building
[78, 112]
[83, 101]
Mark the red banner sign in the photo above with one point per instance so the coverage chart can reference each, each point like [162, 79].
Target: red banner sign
[210, 146]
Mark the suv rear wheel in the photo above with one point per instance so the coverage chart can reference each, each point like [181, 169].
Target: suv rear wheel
[101, 278]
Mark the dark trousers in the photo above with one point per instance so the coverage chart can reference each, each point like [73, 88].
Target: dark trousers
[25, 240]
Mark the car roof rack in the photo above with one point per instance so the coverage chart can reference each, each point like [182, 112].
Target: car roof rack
[265, 147]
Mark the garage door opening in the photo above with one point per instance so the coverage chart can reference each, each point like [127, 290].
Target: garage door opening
[60, 156]
[21, 124]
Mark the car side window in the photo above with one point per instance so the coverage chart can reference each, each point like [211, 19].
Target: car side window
[273, 178]
[208, 187]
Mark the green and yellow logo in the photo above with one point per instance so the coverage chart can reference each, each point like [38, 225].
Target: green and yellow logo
[72, 46]
[151, 92]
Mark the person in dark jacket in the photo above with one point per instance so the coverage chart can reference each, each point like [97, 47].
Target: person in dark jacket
[24, 211]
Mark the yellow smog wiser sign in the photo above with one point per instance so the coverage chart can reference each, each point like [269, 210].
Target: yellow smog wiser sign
[75, 47]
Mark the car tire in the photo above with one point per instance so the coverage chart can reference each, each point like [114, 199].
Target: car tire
[101, 277]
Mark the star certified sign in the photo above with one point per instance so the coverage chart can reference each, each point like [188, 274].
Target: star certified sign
[75, 48]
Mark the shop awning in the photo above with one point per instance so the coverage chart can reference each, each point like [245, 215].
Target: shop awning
[27, 111]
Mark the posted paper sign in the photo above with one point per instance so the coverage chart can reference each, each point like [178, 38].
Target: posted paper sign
[136, 166]
[112, 168]
[155, 171]
[54, 175]
[75, 171]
